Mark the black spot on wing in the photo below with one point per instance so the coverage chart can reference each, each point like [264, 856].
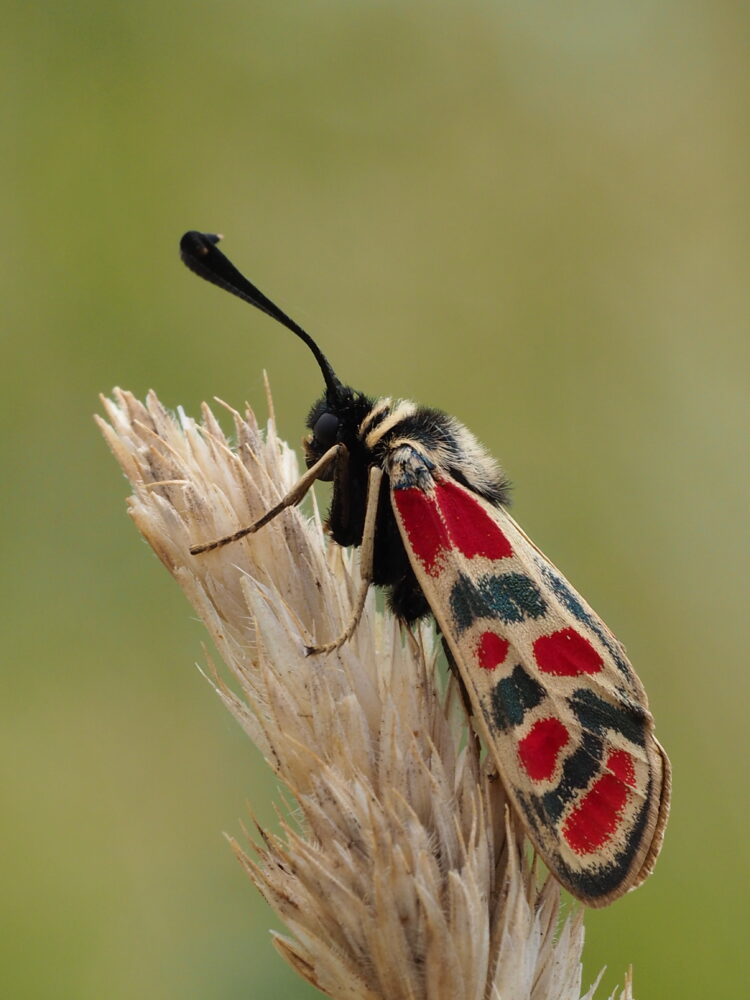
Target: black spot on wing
[509, 597]
[578, 770]
[597, 715]
[513, 696]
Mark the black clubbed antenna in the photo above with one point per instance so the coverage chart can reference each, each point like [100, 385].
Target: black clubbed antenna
[200, 253]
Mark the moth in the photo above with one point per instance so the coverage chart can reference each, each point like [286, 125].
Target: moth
[550, 689]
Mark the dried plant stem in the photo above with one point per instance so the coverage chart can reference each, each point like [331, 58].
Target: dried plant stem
[400, 873]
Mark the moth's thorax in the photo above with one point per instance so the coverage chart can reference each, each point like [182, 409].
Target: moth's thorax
[373, 430]
[442, 441]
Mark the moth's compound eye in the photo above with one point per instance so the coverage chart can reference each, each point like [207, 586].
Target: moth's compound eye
[326, 430]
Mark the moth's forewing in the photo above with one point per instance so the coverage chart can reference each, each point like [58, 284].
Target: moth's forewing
[554, 697]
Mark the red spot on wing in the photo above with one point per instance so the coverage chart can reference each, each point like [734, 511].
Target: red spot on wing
[566, 654]
[620, 763]
[425, 529]
[541, 746]
[471, 529]
[491, 650]
[597, 816]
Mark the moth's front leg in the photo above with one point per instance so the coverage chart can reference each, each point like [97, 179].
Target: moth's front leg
[374, 480]
[293, 497]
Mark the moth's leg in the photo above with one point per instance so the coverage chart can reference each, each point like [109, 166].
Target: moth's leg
[340, 512]
[374, 480]
[293, 497]
[453, 667]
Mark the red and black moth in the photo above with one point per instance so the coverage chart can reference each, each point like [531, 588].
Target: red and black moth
[551, 692]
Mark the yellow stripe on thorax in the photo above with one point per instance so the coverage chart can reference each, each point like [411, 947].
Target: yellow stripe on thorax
[402, 409]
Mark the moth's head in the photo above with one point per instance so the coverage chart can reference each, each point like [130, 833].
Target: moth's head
[324, 425]
[335, 419]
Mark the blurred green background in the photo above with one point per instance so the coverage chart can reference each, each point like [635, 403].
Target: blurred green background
[533, 215]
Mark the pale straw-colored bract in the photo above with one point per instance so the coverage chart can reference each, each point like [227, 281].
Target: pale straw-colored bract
[399, 872]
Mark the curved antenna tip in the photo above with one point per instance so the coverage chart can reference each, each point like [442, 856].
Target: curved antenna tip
[195, 242]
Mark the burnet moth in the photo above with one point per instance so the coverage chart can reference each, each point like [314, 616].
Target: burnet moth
[550, 690]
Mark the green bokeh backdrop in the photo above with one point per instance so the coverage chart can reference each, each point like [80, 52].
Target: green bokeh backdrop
[533, 215]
